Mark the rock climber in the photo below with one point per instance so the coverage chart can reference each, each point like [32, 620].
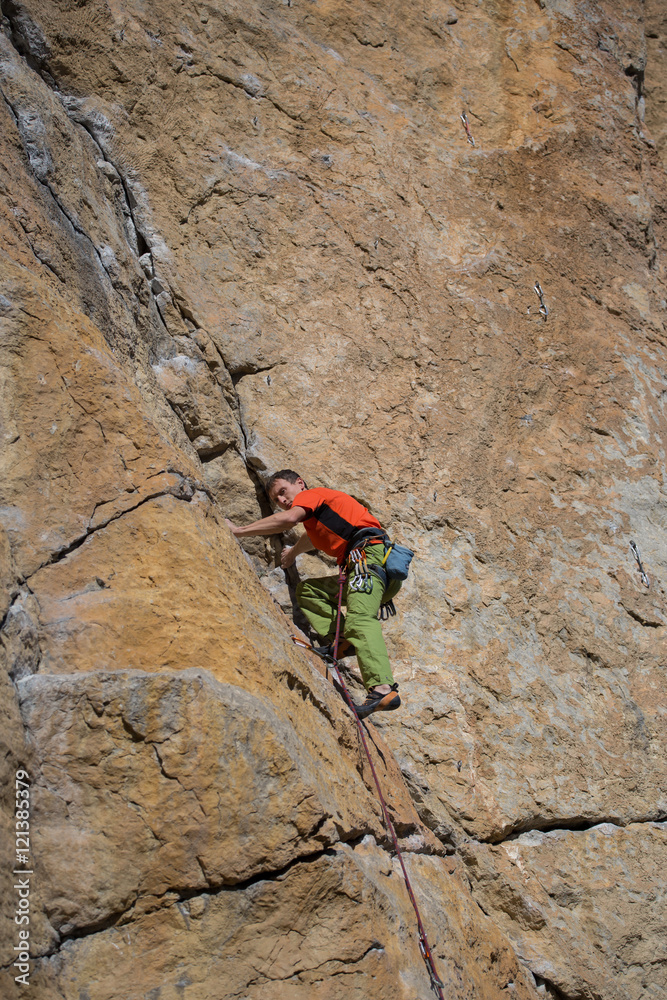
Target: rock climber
[337, 524]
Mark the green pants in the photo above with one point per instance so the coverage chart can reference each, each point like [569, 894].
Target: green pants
[318, 599]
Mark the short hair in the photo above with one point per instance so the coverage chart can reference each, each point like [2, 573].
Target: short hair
[289, 475]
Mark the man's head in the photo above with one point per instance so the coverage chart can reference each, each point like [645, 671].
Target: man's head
[283, 486]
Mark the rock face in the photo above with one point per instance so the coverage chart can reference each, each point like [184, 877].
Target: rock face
[242, 236]
[339, 925]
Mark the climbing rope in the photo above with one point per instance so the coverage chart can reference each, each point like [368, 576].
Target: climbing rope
[424, 946]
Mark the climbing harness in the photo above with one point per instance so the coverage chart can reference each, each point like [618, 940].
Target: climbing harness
[466, 125]
[395, 563]
[644, 578]
[331, 660]
[544, 312]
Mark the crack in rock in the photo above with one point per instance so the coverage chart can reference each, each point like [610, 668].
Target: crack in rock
[184, 488]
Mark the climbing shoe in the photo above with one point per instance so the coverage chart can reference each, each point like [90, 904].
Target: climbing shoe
[379, 702]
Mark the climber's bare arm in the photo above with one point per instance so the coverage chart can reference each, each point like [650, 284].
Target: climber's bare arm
[273, 525]
[287, 556]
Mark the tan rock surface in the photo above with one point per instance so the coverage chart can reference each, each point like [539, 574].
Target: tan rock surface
[145, 806]
[337, 926]
[238, 237]
[67, 406]
[585, 909]
[655, 86]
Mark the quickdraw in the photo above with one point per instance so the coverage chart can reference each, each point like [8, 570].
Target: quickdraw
[642, 572]
[359, 577]
[437, 984]
[544, 312]
[387, 610]
[466, 125]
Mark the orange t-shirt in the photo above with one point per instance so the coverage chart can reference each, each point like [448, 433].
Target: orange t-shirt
[332, 518]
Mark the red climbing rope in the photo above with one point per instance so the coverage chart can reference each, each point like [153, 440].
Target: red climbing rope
[427, 954]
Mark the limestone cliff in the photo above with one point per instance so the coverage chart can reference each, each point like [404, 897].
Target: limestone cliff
[248, 234]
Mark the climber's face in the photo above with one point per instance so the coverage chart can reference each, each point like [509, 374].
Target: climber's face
[283, 493]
